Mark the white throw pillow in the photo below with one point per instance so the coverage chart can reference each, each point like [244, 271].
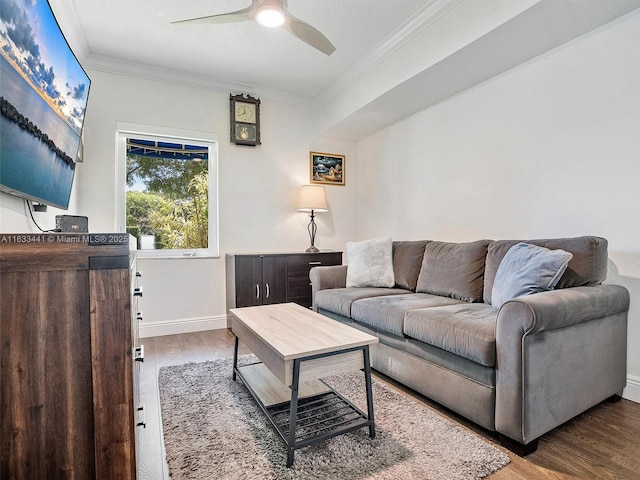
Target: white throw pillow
[370, 263]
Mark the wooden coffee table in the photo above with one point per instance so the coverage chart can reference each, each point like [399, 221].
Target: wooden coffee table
[297, 347]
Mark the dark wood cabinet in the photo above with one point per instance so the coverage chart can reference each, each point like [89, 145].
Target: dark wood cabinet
[261, 279]
[66, 372]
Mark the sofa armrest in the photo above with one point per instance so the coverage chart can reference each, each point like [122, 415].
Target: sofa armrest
[558, 354]
[322, 278]
[560, 308]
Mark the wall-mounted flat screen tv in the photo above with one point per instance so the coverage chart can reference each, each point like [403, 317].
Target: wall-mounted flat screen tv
[44, 93]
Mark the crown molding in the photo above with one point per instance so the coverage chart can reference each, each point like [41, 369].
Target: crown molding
[428, 14]
[67, 19]
[178, 77]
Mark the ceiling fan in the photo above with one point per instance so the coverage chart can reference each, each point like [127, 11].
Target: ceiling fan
[271, 13]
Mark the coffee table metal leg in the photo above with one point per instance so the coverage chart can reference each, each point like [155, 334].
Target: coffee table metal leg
[367, 377]
[235, 358]
[293, 413]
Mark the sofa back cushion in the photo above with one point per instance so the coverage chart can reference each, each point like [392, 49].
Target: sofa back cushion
[454, 270]
[587, 267]
[407, 260]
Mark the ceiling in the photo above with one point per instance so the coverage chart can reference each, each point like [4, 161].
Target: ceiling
[392, 58]
[140, 32]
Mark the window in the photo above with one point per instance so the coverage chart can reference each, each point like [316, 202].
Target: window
[167, 192]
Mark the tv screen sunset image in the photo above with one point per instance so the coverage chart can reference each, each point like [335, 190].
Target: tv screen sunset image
[44, 93]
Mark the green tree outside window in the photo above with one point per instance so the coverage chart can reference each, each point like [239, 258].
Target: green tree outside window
[174, 204]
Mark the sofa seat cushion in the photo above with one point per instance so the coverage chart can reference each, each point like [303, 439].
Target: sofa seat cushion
[485, 376]
[464, 367]
[468, 330]
[387, 313]
[339, 300]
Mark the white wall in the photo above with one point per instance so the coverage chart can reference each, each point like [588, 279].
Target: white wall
[257, 190]
[548, 149]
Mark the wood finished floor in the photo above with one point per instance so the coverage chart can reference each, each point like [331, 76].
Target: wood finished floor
[602, 443]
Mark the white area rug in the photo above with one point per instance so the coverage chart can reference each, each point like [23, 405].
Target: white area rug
[214, 430]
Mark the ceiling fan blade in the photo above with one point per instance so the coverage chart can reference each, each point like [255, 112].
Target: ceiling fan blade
[308, 34]
[243, 15]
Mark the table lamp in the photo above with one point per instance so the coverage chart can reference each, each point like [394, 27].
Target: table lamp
[312, 198]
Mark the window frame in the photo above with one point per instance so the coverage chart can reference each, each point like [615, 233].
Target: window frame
[171, 135]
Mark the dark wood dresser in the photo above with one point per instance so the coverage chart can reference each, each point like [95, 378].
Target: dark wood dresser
[66, 378]
[266, 278]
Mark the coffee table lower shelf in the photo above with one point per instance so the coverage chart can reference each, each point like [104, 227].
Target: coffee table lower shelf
[320, 412]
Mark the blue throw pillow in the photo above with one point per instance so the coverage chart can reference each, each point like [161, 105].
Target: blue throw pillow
[527, 269]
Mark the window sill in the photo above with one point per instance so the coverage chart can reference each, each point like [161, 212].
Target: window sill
[174, 255]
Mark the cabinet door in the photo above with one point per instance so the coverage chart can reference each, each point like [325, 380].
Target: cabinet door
[249, 286]
[274, 279]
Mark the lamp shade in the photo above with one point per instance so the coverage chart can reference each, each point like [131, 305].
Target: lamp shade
[312, 198]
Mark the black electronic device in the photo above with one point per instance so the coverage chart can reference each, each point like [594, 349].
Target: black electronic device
[72, 223]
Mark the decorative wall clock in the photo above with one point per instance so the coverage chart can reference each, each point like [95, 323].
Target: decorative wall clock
[245, 120]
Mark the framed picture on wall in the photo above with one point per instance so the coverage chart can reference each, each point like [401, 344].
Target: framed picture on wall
[327, 168]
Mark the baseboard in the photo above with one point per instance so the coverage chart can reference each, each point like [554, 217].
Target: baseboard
[632, 390]
[183, 325]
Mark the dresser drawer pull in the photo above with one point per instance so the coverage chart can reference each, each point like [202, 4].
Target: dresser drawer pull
[315, 263]
[137, 292]
[141, 422]
[139, 316]
[139, 354]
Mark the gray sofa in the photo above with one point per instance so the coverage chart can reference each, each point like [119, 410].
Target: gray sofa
[520, 370]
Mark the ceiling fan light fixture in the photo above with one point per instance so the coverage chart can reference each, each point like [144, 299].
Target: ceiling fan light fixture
[270, 16]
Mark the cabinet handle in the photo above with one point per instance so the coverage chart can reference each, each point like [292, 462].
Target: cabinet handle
[141, 413]
[267, 291]
[257, 291]
[315, 263]
[137, 292]
[139, 316]
[138, 274]
[139, 354]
